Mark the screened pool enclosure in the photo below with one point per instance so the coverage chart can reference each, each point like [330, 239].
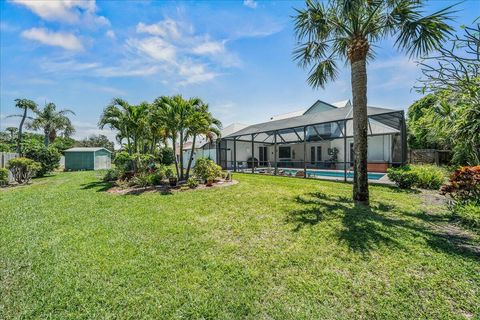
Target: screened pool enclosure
[315, 145]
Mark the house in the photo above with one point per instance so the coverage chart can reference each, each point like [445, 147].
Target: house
[88, 159]
[314, 140]
[205, 148]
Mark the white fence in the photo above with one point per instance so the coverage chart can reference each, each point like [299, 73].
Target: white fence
[4, 157]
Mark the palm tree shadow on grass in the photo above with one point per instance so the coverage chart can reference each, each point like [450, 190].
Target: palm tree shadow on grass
[100, 186]
[365, 228]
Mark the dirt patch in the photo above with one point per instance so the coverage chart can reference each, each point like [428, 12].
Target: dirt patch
[166, 189]
[435, 203]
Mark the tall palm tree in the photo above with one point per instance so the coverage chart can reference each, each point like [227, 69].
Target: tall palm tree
[200, 122]
[170, 114]
[25, 105]
[116, 116]
[347, 30]
[52, 122]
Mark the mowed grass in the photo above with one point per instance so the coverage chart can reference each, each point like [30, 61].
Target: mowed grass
[266, 248]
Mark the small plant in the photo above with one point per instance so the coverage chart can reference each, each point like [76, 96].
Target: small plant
[464, 184]
[23, 169]
[429, 176]
[111, 175]
[192, 183]
[228, 176]
[169, 173]
[207, 170]
[140, 180]
[3, 177]
[155, 179]
[404, 177]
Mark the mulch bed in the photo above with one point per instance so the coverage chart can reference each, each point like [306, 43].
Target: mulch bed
[167, 189]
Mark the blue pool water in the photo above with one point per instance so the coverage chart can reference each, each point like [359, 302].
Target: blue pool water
[371, 176]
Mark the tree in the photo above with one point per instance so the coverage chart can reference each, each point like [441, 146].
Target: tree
[12, 131]
[25, 105]
[52, 122]
[115, 115]
[453, 76]
[96, 141]
[200, 122]
[347, 30]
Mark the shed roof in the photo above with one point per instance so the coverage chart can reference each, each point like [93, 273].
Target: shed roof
[87, 149]
[335, 114]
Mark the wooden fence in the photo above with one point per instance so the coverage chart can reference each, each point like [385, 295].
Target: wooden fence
[423, 156]
[4, 157]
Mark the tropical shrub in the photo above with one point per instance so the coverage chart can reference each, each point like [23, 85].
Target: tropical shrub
[112, 175]
[140, 180]
[429, 176]
[404, 177]
[123, 161]
[155, 179]
[207, 169]
[468, 213]
[169, 173]
[167, 155]
[48, 157]
[23, 169]
[192, 183]
[464, 184]
[3, 176]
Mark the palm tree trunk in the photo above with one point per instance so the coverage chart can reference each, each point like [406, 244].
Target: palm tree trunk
[360, 125]
[175, 156]
[190, 159]
[181, 155]
[19, 142]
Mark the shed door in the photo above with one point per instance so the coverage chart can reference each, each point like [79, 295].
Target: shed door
[102, 162]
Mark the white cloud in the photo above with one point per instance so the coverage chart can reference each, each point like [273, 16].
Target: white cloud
[250, 3]
[155, 47]
[69, 11]
[194, 73]
[65, 40]
[110, 34]
[209, 47]
[167, 28]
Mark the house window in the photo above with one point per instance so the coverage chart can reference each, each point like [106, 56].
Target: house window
[284, 153]
[319, 154]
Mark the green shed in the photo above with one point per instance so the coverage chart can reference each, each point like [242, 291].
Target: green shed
[88, 159]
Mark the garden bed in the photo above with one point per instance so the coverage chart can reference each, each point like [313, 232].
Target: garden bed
[165, 188]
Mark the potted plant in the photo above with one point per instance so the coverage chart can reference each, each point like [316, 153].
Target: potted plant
[172, 179]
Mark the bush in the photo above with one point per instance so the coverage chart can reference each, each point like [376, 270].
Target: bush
[429, 176]
[167, 156]
[464, 185]
[3, 177]
[468, 213]
[123, 161]
[23, 169]
[155, 179]
[48, 157]
[192, 183]
[139, 180]
[206, 169]
[403, 177]
[111, 175]
[169, 173]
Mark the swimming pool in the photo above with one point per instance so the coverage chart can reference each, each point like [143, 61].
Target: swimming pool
[337, 174]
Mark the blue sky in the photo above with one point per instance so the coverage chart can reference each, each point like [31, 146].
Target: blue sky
[235, 55]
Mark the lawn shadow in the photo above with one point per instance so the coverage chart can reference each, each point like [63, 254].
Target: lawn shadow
[365, 228]
[100, 186]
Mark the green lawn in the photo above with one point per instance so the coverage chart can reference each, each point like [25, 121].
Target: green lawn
[266, 248]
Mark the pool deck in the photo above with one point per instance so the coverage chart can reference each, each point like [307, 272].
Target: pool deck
[383, 180]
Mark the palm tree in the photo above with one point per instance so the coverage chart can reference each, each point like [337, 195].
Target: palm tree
[52, 122]
[170, 114]
[201, 122]
[347, 30]
[13, 131]
[25, 105]
[116, 116]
